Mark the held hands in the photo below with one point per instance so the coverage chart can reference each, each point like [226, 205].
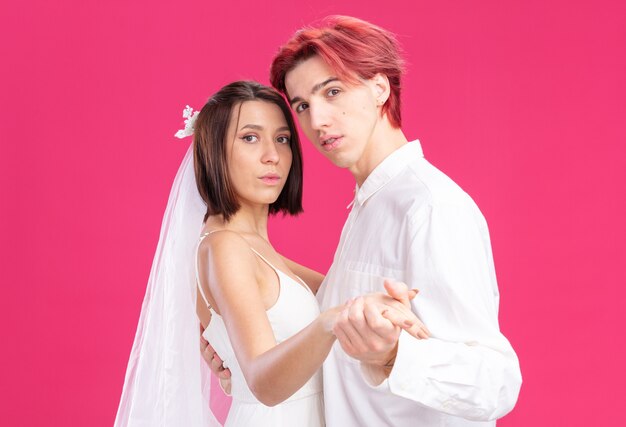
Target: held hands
[369, 326]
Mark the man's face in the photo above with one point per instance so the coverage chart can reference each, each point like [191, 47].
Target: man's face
[337, 117]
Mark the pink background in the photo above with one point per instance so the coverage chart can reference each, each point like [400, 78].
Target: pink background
[522, 103]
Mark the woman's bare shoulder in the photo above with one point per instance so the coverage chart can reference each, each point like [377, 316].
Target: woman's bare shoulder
[225, 249]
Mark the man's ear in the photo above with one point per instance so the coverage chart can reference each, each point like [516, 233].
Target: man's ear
[380, 84]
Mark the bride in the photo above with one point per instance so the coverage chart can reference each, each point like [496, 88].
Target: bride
[258, 307]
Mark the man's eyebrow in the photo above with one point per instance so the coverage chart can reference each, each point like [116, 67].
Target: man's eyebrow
[314, 89]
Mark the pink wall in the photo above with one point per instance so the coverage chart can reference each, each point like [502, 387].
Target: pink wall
[522, 103]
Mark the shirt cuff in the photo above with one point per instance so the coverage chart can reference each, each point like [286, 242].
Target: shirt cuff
[407, 378]
[407, 373]
[375, 377]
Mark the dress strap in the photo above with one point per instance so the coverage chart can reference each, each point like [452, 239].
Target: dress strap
[264, 259]
[206, 301]
[278, 271]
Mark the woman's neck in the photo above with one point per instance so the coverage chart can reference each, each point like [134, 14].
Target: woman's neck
[247, 220]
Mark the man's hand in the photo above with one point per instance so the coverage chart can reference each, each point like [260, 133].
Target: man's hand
[216, 364]
[369, 326]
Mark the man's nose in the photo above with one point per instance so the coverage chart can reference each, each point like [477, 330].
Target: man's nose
[320, 117]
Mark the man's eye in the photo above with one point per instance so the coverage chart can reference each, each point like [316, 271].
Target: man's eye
[301, 107]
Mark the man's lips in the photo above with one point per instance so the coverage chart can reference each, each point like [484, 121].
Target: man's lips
[330, 142]
[329, 139]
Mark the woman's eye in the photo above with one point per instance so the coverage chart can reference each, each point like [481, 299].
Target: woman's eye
[333, 92]
[250, 138]
[283, 139]
[301, 107]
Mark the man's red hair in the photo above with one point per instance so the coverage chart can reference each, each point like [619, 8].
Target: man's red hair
[353, 49]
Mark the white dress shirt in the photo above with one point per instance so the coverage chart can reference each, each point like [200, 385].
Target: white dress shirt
[412, 223]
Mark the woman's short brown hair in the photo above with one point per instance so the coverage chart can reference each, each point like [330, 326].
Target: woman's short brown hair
[210, 160]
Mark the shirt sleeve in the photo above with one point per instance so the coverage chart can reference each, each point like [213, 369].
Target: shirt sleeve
[467, 368]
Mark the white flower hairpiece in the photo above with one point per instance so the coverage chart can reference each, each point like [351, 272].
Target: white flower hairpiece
[190, 121]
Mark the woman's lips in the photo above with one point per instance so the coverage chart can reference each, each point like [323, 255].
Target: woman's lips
[270, 179]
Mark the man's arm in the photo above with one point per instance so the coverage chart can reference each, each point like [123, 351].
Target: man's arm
[468, 367]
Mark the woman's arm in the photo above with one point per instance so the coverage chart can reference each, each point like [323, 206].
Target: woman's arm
[312, 278]
[272, 371]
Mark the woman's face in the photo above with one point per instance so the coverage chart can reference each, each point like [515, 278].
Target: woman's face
[259, 152]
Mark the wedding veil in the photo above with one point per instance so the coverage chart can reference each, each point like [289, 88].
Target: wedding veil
[167, 383]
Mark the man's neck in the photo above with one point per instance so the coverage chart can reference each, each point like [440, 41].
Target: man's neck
[384, 141]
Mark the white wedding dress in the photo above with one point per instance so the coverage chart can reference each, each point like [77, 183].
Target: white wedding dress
[295, 308]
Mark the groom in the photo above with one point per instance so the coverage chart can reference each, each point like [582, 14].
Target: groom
[408, 221]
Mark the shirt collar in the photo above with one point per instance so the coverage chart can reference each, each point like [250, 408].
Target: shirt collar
[387, 169]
